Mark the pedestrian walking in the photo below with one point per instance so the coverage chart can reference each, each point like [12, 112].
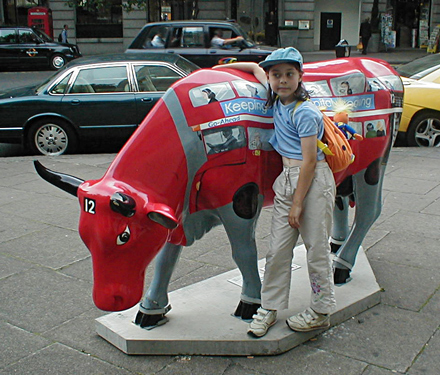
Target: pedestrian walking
[63, 35]
[365, 34]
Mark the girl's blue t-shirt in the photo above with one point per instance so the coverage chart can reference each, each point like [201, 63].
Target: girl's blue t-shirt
[290, 128]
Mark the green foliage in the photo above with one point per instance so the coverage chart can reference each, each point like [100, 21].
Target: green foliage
[127, 5]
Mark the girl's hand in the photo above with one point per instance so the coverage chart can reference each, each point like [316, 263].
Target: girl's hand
[294, 215]
[249, 67]
[308, 148]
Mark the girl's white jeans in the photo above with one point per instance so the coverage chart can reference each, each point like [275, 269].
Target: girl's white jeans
[315, 229]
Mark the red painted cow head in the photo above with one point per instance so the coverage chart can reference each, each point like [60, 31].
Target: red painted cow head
[123, 229]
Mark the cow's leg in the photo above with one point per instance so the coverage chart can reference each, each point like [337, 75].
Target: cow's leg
[241, 234]
[340, 228]
[155, 305]
[368, 198]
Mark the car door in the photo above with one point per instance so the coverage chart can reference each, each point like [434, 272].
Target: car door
[231, 50]
[152, 80]
[153, 38]
[8, 47]
[100, 102]
[189, 42]
[31, 49]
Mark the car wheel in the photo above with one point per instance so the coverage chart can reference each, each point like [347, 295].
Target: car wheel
[424, 130]
[57, 62]
[51, 137]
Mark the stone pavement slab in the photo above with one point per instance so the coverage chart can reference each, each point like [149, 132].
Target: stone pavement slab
[385, 336]
[59, 359]
[46, 310]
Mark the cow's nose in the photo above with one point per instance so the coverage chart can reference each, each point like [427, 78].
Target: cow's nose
[118, 300]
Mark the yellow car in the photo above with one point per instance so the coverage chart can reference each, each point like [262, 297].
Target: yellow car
[420, 124]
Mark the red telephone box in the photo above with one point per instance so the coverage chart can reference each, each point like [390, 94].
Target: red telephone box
[41, 18]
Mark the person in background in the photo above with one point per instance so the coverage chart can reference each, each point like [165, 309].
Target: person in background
[64, 34]
[158, 41]
[217, 40]
[271, 29]
[365, 34]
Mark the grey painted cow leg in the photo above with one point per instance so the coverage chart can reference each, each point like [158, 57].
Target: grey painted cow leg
[241, 234]
[340, 228]
[368, 196]
[155, 305]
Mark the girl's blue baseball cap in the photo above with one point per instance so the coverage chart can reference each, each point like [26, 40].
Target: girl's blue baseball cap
[283, 55]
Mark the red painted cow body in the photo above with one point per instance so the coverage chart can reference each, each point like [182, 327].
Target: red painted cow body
[202, 158]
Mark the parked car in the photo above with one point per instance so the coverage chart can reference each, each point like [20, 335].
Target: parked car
[28, 47]
[420, 124]
[425, 69]
[100, 97]
[192, 39]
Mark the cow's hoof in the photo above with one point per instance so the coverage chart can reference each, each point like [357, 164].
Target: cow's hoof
[334, 247]
[341, 275]
[150, 321]
[246, 310]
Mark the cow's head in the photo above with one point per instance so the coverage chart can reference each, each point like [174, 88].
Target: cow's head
[123, 230]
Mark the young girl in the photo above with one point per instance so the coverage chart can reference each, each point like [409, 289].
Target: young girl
[304, 197]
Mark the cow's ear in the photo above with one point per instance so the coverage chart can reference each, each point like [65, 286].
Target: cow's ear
[162, 214]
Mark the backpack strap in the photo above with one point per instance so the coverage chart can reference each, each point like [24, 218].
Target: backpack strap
[321, 145]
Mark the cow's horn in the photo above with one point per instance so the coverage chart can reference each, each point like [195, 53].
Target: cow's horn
[63, 181]
[123, 204]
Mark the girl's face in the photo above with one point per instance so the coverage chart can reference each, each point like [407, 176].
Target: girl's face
[284, 80]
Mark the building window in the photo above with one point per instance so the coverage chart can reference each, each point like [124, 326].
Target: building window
[15, 12]
[99, 22]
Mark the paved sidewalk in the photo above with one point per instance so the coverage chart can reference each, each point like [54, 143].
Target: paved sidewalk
[47, 315]
[395, 56]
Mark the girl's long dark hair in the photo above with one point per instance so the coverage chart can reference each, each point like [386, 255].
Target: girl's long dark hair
[300, 94]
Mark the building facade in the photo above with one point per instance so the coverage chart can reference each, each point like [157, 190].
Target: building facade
[309, 25]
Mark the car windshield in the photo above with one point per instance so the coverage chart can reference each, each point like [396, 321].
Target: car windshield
[249, 42]
[42, 35]
[421, 67]
[187, 66]
[42, 85]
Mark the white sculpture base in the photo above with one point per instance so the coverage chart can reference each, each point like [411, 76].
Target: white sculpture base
[201, 321]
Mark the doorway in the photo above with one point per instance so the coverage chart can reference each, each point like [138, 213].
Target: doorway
[330, 32]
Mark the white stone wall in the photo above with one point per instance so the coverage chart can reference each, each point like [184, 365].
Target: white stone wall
[212, 10]
[62, 15]
[132, 24]
[294, 10]
[350, 23]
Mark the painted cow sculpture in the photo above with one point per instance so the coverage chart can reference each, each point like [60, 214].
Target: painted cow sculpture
[202, 158]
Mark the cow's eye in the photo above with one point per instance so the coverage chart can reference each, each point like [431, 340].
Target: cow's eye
[124, 237]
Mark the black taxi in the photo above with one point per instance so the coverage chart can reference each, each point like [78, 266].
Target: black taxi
[27, 47]
[194, 41]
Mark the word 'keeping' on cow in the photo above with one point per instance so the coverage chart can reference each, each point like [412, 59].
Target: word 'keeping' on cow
[202, 158]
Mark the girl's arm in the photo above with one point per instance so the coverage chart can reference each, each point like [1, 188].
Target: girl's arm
[249, 67]
[309, 151]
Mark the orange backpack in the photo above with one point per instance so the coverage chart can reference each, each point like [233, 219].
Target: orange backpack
[334, 145]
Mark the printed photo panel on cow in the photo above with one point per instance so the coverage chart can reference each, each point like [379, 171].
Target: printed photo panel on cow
[224, 139]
